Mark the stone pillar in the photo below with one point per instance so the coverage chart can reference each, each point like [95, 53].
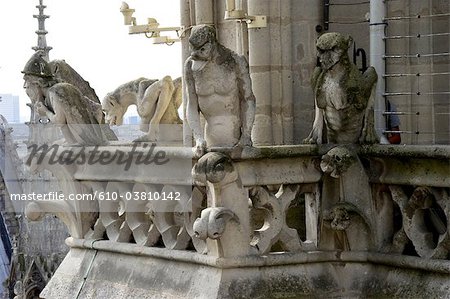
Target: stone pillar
[281, 58]
[260, 66]
[204, 12]
[282, 105]
[186, 22]
[306, 15]
[270, 57]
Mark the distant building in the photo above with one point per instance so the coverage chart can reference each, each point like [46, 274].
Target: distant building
[132, 120]
[9, 108]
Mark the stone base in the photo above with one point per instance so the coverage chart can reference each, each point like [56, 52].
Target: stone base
[139, 272]
[113, 275]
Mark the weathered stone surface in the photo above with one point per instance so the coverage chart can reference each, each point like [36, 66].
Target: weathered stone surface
[138, 277]
[146, 274]
[218, 86]
[344, 101]
[64, 104]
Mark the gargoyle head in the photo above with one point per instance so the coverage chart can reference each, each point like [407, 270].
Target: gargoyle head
[113, 110]
[337, 161]
[331, 48]
[202, 44]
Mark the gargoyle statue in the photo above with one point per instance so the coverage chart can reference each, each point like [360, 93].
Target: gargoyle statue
[343, 96]
[157, 103]
[59, 93]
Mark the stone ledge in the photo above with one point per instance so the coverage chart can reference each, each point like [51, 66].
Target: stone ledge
[104, 269]
[274, 259]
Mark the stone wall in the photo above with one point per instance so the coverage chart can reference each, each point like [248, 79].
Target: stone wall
[365, 227]
[427, 106]
[282, 57]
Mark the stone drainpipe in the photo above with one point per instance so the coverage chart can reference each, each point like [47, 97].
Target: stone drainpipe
[377, 51]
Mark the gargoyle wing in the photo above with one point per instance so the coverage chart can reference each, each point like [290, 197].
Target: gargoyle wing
[63, 72]
[82, 126]
[369, 135]
[177, 98]
[370, 78]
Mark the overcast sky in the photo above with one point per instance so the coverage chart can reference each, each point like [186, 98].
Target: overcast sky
[91, 37]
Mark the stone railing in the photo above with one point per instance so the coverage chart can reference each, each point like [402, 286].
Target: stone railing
[381, 204]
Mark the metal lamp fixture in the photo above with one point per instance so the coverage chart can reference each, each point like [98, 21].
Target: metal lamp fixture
[151, 29]
[232, 13]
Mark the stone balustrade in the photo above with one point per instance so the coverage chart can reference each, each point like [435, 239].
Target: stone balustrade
[270, 207]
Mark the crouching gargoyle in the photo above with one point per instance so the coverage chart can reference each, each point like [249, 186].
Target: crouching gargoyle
[343, 96]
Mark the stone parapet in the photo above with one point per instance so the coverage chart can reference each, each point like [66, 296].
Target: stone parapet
[301, 220]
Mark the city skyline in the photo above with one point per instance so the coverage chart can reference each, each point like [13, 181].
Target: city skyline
[91, 37]
[9, 107]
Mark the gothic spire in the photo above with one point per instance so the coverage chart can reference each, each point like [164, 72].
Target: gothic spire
[41, 32]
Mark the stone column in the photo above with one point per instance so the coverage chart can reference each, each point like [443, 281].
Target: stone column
[270, 58]
[282, 57]
[306, 15]
[204, 12]
[231, 33]
[377, 50]
[186, 22]
[281, 73]
[260, 65]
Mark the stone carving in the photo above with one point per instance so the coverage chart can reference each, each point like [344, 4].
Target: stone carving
[218, 86]
[337, 161]
[63, 72]
[120, 220]
[170, 221]
[145, 223]
[157, 103]
[351, 229]
[197, 202]
[343, 96]
[275, 228]
[226, 196]
[31, 285]
[424, 221]
[78, 224]
[346, 192]
[78, 216]
[212, 222]
[63, 103]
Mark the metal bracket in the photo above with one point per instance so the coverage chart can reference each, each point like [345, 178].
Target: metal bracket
[241, 16]
[256, 21]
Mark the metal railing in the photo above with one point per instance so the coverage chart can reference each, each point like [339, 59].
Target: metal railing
[416, 78]
[419, 89]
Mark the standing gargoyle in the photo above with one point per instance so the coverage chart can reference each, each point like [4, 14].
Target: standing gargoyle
[218, 86]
